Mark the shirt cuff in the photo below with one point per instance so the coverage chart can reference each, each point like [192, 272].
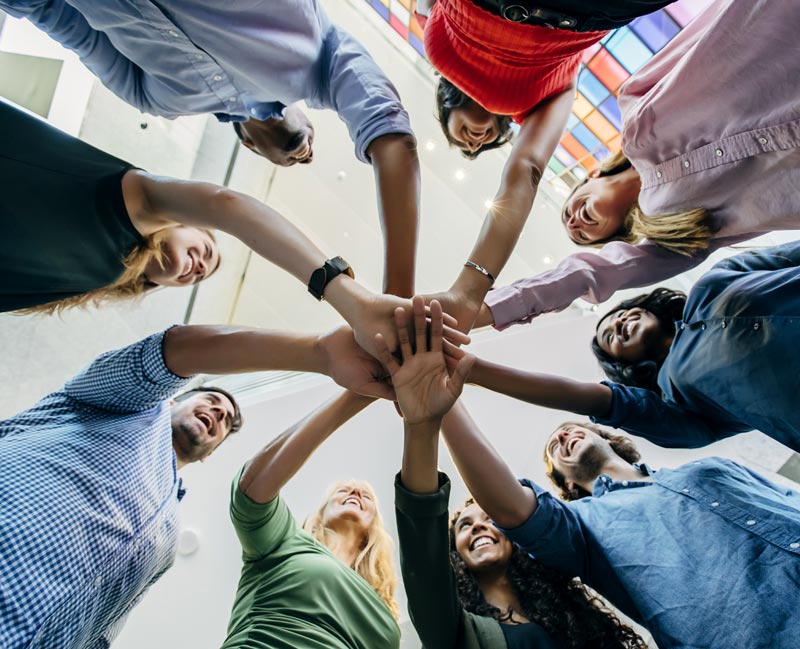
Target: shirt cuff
[155, 367]
[506, 305]
[395, 123]
[416, 505]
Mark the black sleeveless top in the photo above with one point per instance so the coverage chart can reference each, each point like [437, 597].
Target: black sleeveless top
[527, 636]
[64, 229]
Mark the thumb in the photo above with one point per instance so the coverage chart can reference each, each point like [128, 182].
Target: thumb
[456, 382]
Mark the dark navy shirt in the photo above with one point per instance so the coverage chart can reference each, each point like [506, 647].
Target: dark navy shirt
[706, 555]
[734, 364]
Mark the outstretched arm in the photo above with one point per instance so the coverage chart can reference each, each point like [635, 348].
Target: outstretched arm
[155, 202]
[197, 349]
[487, 476]
[396, 168]
[274, 465]
[511, 206]
[546, 390]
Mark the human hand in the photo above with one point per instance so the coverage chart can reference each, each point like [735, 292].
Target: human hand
[458, 305]
[377, 316]
[425, 391]
[351, 367]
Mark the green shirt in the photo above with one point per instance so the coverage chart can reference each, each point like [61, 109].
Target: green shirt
[294, 593]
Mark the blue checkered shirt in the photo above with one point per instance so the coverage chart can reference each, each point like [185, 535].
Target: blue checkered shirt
[88, 512]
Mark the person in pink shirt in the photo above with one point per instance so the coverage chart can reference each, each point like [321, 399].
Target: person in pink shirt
[710, 136]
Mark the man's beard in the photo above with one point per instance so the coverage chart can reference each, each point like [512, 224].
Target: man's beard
[591, 464]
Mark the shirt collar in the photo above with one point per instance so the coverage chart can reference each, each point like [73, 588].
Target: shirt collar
[605, 483]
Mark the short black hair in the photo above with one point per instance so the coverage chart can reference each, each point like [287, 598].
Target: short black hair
[449, 97]
[667, 306]
[236, 421]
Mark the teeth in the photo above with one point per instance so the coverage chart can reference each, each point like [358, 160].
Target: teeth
[481, 542]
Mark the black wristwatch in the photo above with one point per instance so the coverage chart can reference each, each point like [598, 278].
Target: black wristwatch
[322, 276]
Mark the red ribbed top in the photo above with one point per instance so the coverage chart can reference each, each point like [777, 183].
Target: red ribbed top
[506, 67]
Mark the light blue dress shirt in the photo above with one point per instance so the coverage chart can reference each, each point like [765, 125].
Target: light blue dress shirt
[237, 59]
[734, 364]
[705, 556]
[88, 504]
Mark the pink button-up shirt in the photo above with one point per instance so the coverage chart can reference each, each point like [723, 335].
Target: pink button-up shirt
[712, 121]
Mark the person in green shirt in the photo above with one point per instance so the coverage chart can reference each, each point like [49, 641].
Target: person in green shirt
[332, 588]
[470, 587]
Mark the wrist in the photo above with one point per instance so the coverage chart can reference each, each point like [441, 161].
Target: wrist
[470, 287]
[347, 296]
[425, 426]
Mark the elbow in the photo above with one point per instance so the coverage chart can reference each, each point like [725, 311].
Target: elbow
[523, 169]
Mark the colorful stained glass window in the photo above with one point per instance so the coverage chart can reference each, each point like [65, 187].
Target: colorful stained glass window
[593, 127]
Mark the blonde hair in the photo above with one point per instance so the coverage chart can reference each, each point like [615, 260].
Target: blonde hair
[685, 232]
[374, 562]
[132, 283]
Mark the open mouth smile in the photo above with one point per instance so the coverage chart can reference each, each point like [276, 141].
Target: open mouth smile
[352, 500]
[482, 541]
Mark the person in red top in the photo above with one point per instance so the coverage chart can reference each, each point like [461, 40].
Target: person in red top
[516, 59]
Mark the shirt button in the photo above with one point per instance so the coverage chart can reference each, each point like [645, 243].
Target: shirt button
[217, 77]
[686, 163]
[794, 546]
[751, 522]
[715, 504]
[97, 580]
[724, 324]
[762, 139]
[659, 174]
[683, 326]
[231, 98]
[172, 32]
[703, 326]
[624, 483]
[719, 153]
[253, 112]
[756, 326]
[684, 491]
[199, 57]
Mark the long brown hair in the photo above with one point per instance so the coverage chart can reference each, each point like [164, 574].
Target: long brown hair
[563, 606]
[686, 232]
[374, 562]
[132, 283]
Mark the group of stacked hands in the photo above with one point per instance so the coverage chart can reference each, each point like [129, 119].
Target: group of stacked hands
[705, 555]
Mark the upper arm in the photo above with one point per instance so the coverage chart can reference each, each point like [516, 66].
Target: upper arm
[428, 578]
[361, 93]
[260, 527]
[774, 258]
[644, 413]
[553, 534]
[540, 133]
[130, 379]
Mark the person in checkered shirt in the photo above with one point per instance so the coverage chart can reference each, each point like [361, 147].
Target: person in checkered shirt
[88, 515]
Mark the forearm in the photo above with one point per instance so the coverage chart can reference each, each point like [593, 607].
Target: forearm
[397, 178]
[269, 470]
[548, 391]
[155, 202]
[419, 473]
[209, 349]
[487, 476]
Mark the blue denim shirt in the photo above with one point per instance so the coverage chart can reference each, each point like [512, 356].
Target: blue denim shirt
[236, 59]
[705, 556]
[88, 511]
[734, 364]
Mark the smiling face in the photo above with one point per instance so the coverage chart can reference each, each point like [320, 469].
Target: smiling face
[190, 256]
[284, 141]
[597, 209]
[472, 127]
[352, 503]
[633, 335]
[479, 543]
[199, 424]
[578, 453]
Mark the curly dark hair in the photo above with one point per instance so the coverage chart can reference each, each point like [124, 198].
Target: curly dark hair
[667, 306]
[563, 606]
[449, 97]
[620, 444]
